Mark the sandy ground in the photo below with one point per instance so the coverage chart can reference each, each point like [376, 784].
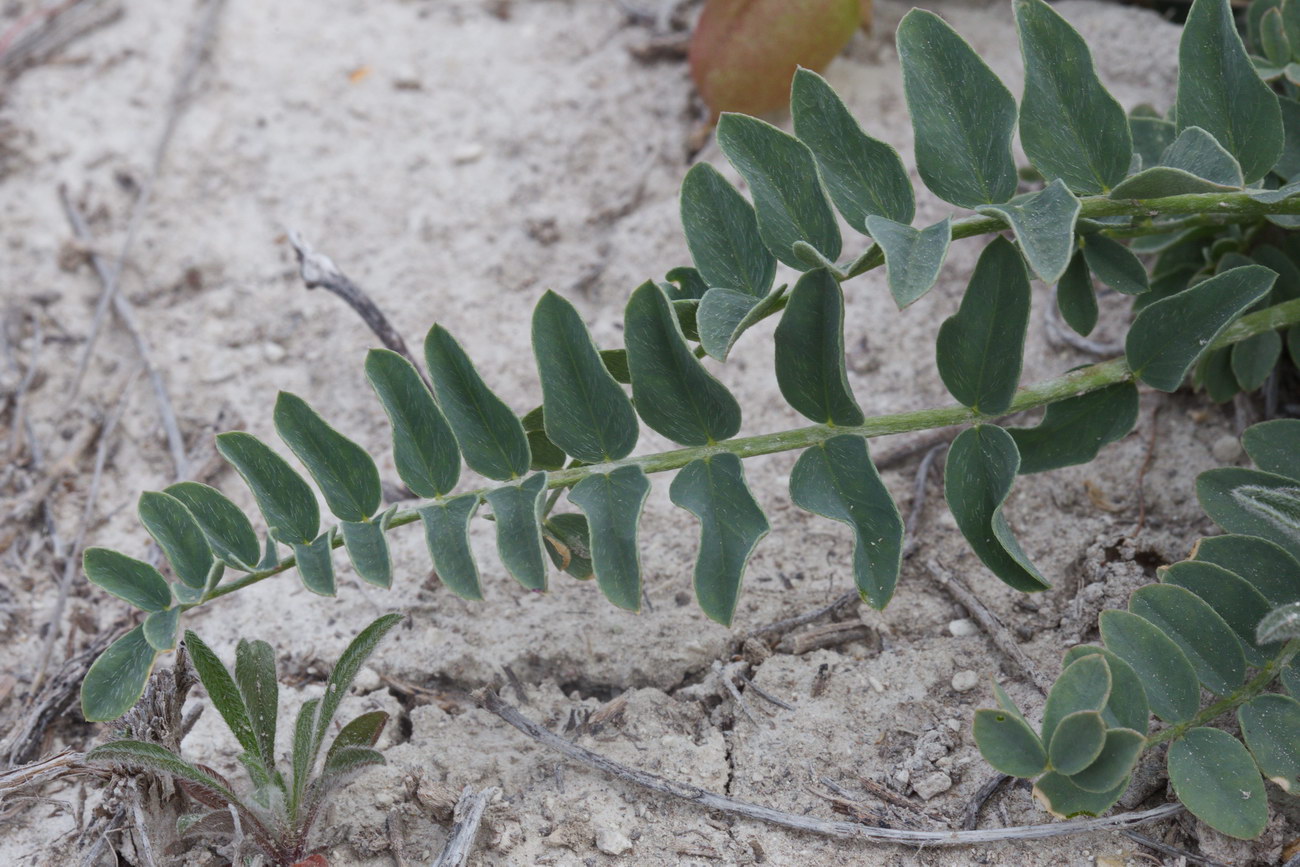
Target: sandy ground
[457, 158]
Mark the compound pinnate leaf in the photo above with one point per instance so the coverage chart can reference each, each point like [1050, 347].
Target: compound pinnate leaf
[116, 679]
[368, 550]
[963, 116]
[1274, 446]
[725, 314]
[1265, 566]
[864, 176]
[1127, 706]
[315, 560]
[810, 352]
[1077, 742]
[1254, 358]
[1253, 503]
[518, 512]
[127, 578]
[228, 529]
[1119, 754]
[713, 489]
[1115, 265]
[1075, 297]
[612, 503]
[1008, 744]
[345, 472]
[286, 500]
[160, 628]
[1219, 90]
[224, 693]
[1168, 678]
[979, 350]
[673, 392]
[1207, 642]
[1075, 429]
[1084, 685]
[587, 413]
[179, 535]
[1061, 797]
[722, 234]
[788, 197]
[1070, 126]
[1270, 725]
[838, 480]
[446, 531]
[913, 257]
[1043, 223]
[490, 436]
[1239, 604]
[981, 468]
[1216, 779]
[255, 676]
[1168, 336]
[424, 448]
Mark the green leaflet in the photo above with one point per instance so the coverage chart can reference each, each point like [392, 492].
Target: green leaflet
[1075, 297]
[1199, 153]
[1254, 358]
[615, 360]
[612, 503]
[1127, 706]
[424, 448]
[913, 257]
[116, 679]
[1063, 799]
[1043, 223]
[1214, 373]
[226, 695]
[286, 500]
[713, 489]
[160, 628]
[568, 542]
[1077, 742]
[1070, 126]
[1219, 90]
[1115, 265]
[1207, 642]
[131, 580]
[345, 472]
[962, 115]
[1151, 136]
[864, 176]
[838, 480]
[1265, 566]
[1217, 780]
[673, 392]
[179, 535]
[1239, 604]
[722, 234]
[1074, 430]
[1290, 14]
[725, 314]
[446, 531]
[518, 512]
[1119, 754]
[1253, 503]
[683, 284]
[1270, 725]
[227, 528]
[255, 675]
[1274, 446]
[1291, 678]
[587, 413]
[1168, 678]
[979, 349]
[1084, 685]
[782, 176]
[1008, 744]
[1273, 39]
[315, 560]
[490, 437]
[1167, 337]
[545, 455]
[810, 352]
[1288, 163]
[1254, 21]
[981, 467]
[368, 551]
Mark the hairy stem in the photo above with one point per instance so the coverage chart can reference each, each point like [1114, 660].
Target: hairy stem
[1082, 381]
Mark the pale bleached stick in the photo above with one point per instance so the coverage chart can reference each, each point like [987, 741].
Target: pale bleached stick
[469, 813]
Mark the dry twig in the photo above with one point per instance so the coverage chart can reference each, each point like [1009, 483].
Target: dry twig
[918, 500]
[34, 38]
[469, 813]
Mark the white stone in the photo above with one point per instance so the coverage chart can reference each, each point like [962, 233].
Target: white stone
[965, 681]
[1226, 449]
[468, 153]
[932, 784]
[612, 842]
[963, 627]
[875, 683]
[273, 352]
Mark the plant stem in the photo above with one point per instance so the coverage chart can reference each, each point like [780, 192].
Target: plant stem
[1252, 688]
[1082, 381]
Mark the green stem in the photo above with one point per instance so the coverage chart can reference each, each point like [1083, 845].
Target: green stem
[1082, 381]
[1252, 688]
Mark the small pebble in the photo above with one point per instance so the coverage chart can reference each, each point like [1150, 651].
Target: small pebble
[875, 683]
[612, 842]
[273, 352]
[965, 681]
[932, 784]
[468, 153]
[963, 627]
[1226, 449]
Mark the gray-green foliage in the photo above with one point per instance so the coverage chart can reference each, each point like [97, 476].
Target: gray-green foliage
[1206, 195]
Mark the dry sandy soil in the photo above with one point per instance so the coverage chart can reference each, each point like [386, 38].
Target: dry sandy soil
[457, 158]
